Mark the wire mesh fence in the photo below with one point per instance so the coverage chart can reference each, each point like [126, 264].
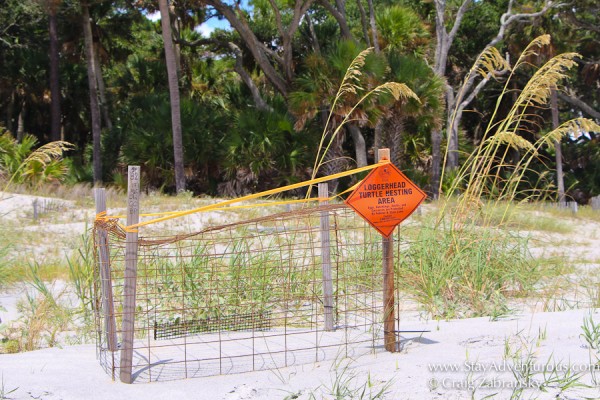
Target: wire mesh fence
[266, 293]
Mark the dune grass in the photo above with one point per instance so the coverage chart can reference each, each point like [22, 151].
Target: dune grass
[467, 273]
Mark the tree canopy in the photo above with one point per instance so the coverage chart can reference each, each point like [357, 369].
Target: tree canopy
[226, 97]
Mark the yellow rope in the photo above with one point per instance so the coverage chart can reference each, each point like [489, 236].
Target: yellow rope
[176, 214]
[273, 203]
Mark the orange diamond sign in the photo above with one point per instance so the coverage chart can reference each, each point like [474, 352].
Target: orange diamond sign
[385, 198]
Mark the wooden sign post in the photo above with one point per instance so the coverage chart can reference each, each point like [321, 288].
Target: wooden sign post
[129, 289]
[385, 198]
[389, 326]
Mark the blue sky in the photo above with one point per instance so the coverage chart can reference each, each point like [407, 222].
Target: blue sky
[205, 29]
[208, 27]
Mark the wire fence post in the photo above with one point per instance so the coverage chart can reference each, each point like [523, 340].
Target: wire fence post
[326, 259]
[108, 305]
[389, 323]
[129, 289]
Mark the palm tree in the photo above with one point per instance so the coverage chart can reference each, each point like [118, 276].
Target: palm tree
[405, 39]
[55, 115]
[93, 90]
[420, 117]
[316, 89]
[174, 95]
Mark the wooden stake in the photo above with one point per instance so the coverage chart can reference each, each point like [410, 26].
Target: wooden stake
[108, 305]
[326, 259]
[129, 289]
[389, 324]
[35, 209]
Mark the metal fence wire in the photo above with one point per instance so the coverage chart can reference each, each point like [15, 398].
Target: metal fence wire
[244, 297]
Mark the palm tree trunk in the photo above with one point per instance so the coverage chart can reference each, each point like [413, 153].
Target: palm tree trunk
[102, 93]
[174, 95]
[360, 146]
[395, 138]
[92, 83]
[560, 181]
[55, 116]
[10, 109]
[21, 122]
[378, 136]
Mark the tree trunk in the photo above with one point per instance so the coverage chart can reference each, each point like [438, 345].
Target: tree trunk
[313, 36]
[177, 26]
[259, 102]
[360, 146]
[174, 95]
[452, 121]
[395, 138]
[436, 163]
[335, 161]
[21, 122]
[10, 109]
[339, 14]
[377, 136]
[583, 106]
[444, 41]
[373, 26]
[255, 46]
[55, 116]
[363, 22]
[560, 181]
[102, 93]
[92, 83]
[452, 160]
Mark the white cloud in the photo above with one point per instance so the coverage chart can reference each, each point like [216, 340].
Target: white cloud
[204, 30]
[155, 16]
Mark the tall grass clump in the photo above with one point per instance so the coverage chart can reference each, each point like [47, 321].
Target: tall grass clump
[81, 277]
[489, 174]
[4, 267]
[468, 273]
[464, 265]
[7, 271]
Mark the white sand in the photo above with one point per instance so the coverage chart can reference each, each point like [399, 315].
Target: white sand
[74, 373]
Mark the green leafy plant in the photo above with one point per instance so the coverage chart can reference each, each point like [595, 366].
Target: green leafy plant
[591, 333]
